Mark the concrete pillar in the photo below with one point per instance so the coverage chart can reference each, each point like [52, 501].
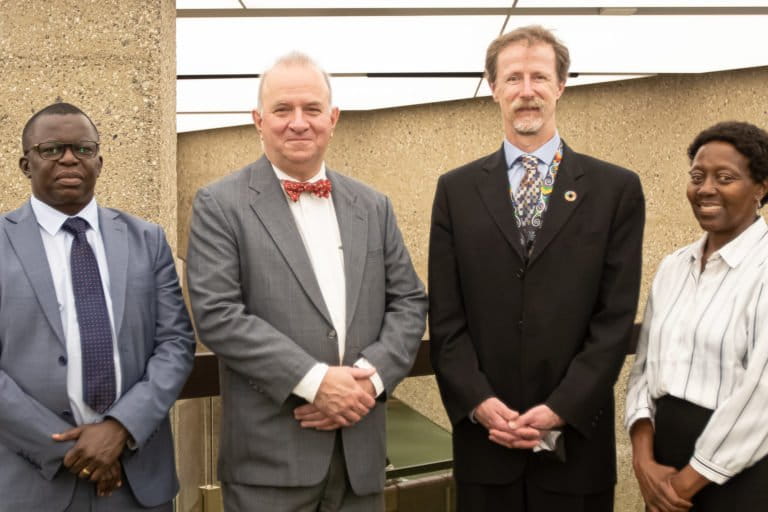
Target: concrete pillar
[115, 59]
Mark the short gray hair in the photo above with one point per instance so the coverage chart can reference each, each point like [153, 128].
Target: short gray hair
[294, 59]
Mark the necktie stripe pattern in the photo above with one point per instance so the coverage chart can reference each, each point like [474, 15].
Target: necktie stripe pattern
[99, 386]
[294, 189]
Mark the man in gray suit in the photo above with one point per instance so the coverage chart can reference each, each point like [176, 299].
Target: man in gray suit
[301, 283]
[95, 340]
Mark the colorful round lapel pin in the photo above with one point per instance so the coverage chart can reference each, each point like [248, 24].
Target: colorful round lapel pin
[570, 196]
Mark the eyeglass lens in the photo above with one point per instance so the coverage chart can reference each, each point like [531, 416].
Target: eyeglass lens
[55, 150]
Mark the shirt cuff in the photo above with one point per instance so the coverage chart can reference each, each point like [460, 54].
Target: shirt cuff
[310, 383]
[637, 415]
[709, 470]
[548, 441]
[378, 385]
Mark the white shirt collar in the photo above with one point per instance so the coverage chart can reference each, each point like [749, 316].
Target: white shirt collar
[51, 219]
[545, 153]
[737, 249]
[282, 176]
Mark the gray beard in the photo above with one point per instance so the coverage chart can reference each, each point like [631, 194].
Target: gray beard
[528, 127]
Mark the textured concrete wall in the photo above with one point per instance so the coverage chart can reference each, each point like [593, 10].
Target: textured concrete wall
[115, 59]
[644, 125]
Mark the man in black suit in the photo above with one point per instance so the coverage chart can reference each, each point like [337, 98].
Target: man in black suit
[534, 272]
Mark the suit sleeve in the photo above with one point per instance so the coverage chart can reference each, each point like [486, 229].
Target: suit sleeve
[393, 353]
[244, 342]
[26, 427]
[590, 377]
[144, 405]
[462, 384]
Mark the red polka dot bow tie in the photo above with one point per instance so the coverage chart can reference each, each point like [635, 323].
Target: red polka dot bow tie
[321, 188]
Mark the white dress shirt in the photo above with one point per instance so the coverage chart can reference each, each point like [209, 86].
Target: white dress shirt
[705, 340]
[57, 244]
[319, 229]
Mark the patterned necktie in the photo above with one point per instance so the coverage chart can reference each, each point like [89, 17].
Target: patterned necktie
[321, 188]
[93, 320]
[527, 199]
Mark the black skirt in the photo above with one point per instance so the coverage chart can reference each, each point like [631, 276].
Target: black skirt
[678, 424]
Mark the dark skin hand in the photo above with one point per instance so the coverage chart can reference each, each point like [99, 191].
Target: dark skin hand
[111, 480]
[96, 451]
[655, 480]
[687, 482]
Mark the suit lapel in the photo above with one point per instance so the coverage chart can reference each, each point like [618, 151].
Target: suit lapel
[353, 227]
[271, 207]
[24, 235]
[116, 248]
[493, 185]
[559, 209]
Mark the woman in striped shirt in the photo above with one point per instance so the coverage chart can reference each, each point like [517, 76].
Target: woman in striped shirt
[697, 404]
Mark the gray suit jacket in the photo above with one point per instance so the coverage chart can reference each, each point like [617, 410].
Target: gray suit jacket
[257, 304]
[154, 337]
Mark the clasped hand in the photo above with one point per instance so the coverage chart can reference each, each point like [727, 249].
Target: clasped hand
[657, 489]
[660, 486]
[345, 396]
[511, 429]
[96, 453]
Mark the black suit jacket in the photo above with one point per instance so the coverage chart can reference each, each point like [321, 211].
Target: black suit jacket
[550, 328]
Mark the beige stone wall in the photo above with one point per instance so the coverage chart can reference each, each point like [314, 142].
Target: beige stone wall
[644, 125]
[116, 61]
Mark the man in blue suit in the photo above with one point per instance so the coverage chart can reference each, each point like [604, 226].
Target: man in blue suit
[95, 340]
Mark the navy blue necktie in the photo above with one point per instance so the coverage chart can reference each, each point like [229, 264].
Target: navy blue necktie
[93, 320]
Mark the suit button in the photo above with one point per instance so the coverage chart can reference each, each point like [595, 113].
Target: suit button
[66, 414]
[62, 361]
[331, 334]
[520, 324]
[520, 273]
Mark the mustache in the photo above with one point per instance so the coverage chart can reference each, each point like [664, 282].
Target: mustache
[527, 103]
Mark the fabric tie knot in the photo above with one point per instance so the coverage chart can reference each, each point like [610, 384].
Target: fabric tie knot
[76, 226]
[294, 189]
[531, 167]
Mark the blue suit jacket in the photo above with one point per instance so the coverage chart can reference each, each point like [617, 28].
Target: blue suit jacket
[156, 346]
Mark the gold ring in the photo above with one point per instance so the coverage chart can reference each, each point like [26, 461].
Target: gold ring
[85, 472]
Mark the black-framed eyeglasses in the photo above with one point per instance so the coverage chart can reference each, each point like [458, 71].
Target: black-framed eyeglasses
[53, 150]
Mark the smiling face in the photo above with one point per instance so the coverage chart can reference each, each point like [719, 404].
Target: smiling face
[296, 121]
[527, 90]
[722, 193]
[65, 184]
